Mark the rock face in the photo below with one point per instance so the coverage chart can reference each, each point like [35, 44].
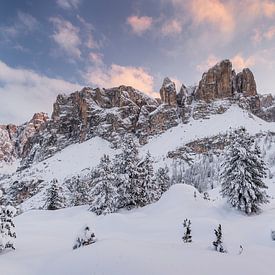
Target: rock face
[168, 93]
[222, 82]
[13, 138]
[245, 83]
[112, 113]
[216, 83]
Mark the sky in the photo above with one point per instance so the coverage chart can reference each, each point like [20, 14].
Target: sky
[58, 46]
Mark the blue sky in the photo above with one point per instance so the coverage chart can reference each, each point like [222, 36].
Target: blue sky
[56, 46]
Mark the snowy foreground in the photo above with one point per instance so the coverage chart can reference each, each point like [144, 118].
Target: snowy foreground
[146, 240]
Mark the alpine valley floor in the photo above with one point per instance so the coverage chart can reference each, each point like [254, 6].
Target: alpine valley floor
[145, 240]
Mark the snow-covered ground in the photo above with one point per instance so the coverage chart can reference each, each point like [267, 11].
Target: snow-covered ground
[145, 241]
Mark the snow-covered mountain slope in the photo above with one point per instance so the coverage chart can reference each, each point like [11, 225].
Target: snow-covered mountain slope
[233, 118]
[78, 159]
[145, 241]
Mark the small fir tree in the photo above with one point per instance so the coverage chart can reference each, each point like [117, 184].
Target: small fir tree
[187, 237]
[104, 194]
[7, 227]
[85, 238]
[243, 173]
[218, 243]
[163, 179]
[55, 199]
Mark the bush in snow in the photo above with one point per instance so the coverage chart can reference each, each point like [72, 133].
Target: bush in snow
[7, 227]
[206, 196]
[104, 194]
[187, 237]
[85, 238]
[243, 173]
[218, 243]
[55, 199]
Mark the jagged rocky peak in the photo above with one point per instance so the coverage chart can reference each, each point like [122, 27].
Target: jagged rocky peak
[245, 83]
[221, 82]
[181, 96]
[168, 93]
[216, 83]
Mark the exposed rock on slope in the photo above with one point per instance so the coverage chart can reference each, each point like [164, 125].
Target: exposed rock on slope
[168, 93]
[217, 83]
[112, 113]
[13, 138]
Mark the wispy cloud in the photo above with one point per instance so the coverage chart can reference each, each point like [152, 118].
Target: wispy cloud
[66, 36]
[24, 92]
[23, 24]
[171, 27]
[139, 24]
[68, 4]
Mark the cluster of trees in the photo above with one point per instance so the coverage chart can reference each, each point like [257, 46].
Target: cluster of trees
[126, 181]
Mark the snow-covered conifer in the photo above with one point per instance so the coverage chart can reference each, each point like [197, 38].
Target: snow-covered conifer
[149, 189]
[81, 192]
[85, 238]
[127, 173]
[55, 199]
[243, 173]
[7, 227]
[104, 193]
[163, 179]
[218, 243]
[187, 237]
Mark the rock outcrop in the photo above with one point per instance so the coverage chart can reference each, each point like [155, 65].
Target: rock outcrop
[216, 83]
[13, 138]
[221, 82]
[245, 83]
[168, 93]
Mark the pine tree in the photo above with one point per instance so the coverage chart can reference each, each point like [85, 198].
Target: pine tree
[218, 243]
[187, 237]
[149, 190]
[81, 195]
[104, 194]
[126, 168]
[243, 173]
[7, 227]
[163, 179]
[55, 199]
[86, 238]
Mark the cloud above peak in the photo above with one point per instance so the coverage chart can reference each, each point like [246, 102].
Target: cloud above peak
[117, 75]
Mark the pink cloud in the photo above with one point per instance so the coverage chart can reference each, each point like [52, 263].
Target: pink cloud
[270, 33]
[171, 27]
[96, 58]
[208, 63]
[214, 12]
[139, 24]
[117, 75]
[239, 62]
